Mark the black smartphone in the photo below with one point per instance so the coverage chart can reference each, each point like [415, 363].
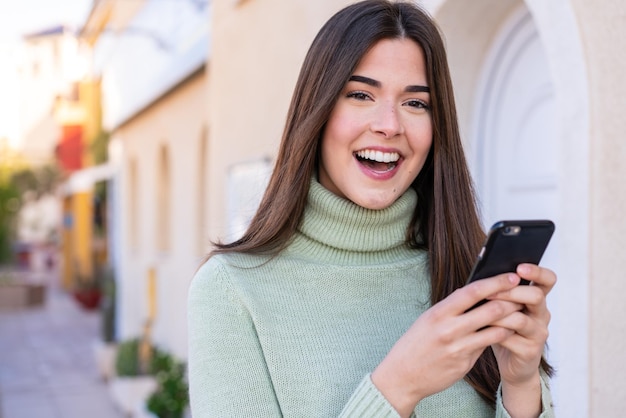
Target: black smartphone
[510, 243]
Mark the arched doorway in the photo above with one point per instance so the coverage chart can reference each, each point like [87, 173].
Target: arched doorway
[516, 160]
[527, 55]
[516, 163]
[518, 135]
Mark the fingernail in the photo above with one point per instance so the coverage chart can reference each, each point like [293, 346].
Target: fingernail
[524, 268]
[513, 278]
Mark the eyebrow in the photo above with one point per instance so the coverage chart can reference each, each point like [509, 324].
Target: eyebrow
[377, 84]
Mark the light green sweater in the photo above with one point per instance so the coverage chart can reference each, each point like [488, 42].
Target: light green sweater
[298, 335]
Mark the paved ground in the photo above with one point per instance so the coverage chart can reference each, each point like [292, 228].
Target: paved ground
[47, 368]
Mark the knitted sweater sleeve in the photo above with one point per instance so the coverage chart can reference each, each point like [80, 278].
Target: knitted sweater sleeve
[227, 370]
[546, 400]
[367, 401]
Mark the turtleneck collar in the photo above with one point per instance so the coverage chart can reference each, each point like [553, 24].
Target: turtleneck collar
[345, 226]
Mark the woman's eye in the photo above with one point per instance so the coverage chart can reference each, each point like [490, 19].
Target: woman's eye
[418, 104]
[358, 95]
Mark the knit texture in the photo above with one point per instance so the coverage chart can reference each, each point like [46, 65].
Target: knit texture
[298, 335]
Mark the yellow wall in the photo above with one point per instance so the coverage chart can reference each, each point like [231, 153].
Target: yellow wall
[82, 233]
[67, 266]
[89, 93]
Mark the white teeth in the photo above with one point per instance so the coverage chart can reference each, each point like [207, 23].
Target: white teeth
[378, 156]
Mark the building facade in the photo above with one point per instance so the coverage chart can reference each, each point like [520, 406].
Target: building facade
[151, 58]
[538, 87]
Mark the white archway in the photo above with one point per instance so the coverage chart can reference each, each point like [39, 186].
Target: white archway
[516, 159]
[520, 84]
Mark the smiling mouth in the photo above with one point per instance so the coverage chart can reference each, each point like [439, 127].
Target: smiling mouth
[378, 160]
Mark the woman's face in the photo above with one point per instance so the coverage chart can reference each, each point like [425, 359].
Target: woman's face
[380, 131]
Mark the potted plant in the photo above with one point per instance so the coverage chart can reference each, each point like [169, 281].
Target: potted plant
[105, 348]
[171, 398]
[87, 291]
[136, 364]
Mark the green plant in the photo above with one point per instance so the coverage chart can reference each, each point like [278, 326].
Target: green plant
[107, 305]
[9, 206]
[171, 398]
[129, 362]
[39, 180]
[127, 359]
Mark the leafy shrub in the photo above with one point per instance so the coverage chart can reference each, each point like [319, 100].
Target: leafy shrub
[9, 205]
[172, 396]
[107, 305]
[128, 360]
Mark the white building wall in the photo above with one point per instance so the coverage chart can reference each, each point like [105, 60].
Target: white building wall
[154, 96]
[256, 53]
[138, 61]
[176, 122]
[603, 36]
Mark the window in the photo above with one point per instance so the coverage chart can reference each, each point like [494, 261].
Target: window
[202, 193]
[133, 200]
[164, 200]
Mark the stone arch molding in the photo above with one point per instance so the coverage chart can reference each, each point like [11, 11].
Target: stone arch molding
[475, 32]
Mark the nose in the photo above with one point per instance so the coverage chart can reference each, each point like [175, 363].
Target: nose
[386, 121]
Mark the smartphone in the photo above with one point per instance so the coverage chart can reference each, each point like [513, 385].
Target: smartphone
[510, 243]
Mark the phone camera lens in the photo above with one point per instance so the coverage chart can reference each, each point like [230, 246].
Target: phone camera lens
[511, 230]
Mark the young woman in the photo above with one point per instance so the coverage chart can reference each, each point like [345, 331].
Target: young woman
[346, 296]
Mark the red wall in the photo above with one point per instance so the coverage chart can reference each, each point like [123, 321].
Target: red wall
[70, 148]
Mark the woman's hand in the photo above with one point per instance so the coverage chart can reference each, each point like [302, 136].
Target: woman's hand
[520, 353]
[443, 344]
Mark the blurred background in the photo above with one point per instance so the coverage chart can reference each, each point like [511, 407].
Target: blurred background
[133, 133]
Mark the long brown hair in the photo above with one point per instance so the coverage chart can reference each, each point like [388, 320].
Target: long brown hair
[446, 221]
